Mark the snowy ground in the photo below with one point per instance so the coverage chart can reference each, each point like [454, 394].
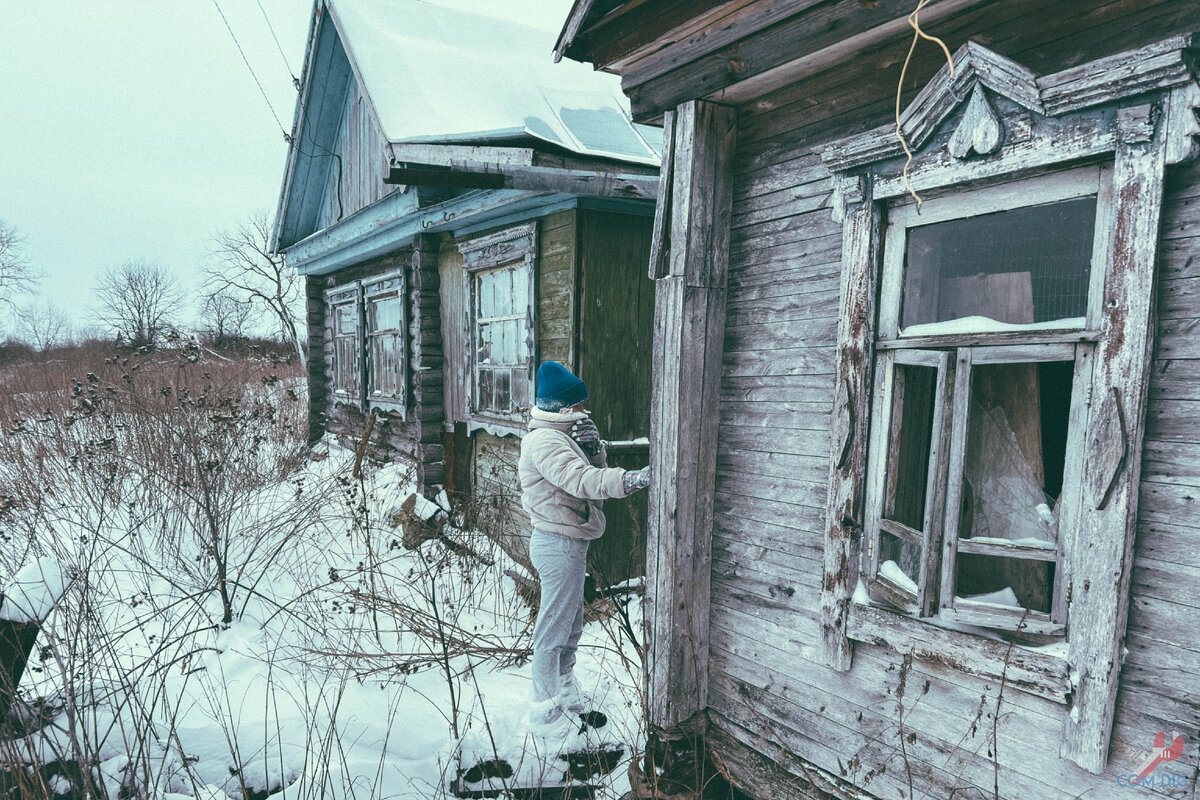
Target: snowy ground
[354, 668]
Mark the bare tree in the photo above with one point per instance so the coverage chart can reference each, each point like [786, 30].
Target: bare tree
[16, 276]
[247, 269]
[45, 326]
[225, 317]
[139, 301]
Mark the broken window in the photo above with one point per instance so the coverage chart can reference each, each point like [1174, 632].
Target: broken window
[971, 430]
[499, 274]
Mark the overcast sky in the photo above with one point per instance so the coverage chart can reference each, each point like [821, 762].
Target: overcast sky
[133, 129]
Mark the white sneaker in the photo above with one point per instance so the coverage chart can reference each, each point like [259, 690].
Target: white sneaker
[571, 698]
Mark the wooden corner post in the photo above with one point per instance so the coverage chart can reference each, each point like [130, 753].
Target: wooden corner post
[692, 243]
[861, 235]
[1102, 544]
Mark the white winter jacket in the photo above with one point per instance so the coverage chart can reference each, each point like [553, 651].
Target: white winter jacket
[560, 488]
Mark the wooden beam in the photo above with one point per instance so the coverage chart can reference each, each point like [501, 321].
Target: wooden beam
[458, 155]
[588, 183]
[791, 40]
[689, 330]
[861, 247]
[1101, 541]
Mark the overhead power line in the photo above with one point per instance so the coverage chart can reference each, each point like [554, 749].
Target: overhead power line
[278, 46]
[252, 73]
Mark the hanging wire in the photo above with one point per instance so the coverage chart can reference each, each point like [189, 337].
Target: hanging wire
[918, 34]
[252, 73]
[278, 46]
[292, 141]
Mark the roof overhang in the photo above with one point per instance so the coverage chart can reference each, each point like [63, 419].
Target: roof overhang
[390, 223]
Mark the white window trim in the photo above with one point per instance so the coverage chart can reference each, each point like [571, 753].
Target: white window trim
[512, 247]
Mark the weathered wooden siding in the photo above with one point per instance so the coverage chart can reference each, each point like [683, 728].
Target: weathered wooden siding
[454, 330]
[362, 153]
[768, 688]
[557, 268]
[616, 330]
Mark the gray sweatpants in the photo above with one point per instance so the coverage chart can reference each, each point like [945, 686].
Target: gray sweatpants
[561, 564]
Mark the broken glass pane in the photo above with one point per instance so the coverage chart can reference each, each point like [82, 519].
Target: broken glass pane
[484, 400]
[1016, 449]
[908, 445]
[1026, 265]
[899, 561]
[483, 345]
[1014, 582]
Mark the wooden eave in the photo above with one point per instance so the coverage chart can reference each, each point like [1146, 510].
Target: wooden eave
[1162, 65]
[583, 183]
[668, 52]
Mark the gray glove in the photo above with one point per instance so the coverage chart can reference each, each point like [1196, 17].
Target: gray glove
[587, 436]
[634, 480]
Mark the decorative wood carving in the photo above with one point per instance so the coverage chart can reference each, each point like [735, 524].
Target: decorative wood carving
[980, 130]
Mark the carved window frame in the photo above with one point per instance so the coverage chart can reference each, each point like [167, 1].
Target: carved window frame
[352, 379]
[990, 121]
[383, 287]
[513, 249]
[346, 367]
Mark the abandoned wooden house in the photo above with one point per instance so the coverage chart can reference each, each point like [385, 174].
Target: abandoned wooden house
[925, 518]
[461, 208]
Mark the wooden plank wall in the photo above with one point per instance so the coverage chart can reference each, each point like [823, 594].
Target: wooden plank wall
[616, 330]
[454, 329]
[363, 152]
[557, 275]
[768, 689]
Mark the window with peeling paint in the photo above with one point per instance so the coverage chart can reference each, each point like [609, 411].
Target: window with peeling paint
[978, 379]
[367, 321]
[503, 346]
[499, 271]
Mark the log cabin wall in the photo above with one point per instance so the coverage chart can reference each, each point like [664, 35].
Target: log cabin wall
[776, 710]
[418, 435]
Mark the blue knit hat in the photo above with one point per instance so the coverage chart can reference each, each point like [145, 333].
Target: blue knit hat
[557, 388]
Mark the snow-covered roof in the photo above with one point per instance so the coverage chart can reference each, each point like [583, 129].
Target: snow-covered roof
[443, 75]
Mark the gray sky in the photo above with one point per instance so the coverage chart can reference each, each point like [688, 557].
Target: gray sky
[132, 128]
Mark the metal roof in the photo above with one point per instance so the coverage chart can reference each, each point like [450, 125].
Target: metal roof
[435, 74]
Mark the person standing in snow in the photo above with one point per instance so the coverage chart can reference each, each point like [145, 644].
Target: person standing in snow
[564, 479]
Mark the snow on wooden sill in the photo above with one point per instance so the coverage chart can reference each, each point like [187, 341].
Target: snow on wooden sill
[1038, 671]
[978, 324]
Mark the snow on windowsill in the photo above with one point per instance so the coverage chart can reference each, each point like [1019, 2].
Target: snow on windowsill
[978, 324]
